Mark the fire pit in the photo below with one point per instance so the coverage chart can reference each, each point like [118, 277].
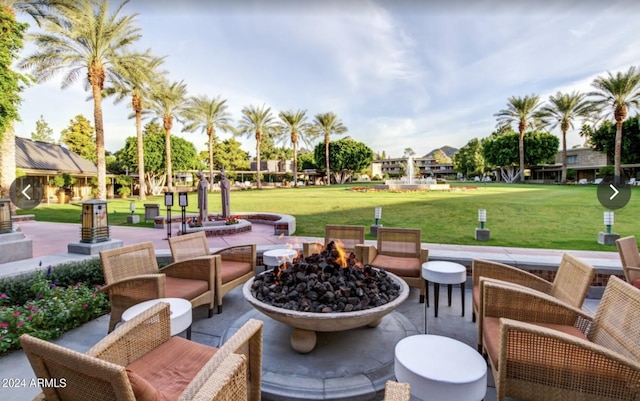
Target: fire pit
[325, 292]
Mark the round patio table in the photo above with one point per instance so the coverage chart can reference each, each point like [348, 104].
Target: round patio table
[179, 309]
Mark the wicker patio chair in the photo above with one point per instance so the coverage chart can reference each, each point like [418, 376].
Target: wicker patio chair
[394, 391]
[234, 265]
[131, 275]
[348, 236]
[630, 258]
[540, 348]
[571, 283]
[398, 251]
[136, 360]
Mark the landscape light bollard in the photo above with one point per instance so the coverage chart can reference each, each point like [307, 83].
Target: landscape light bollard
[95, 222]
[607, 237]
[5, 216]
[482, 233]
[168, 202]
[377, 215]
[133, 218]
[183, 201]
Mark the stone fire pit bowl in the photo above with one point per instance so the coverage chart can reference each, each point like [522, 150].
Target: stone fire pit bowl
[306, 324]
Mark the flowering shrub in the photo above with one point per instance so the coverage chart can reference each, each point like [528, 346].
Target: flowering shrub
[194, 222]
[53, 311]
[231, 220]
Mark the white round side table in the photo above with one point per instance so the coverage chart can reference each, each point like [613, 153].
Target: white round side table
[179, 309]
[278, 257]
[442, 272]
[440, 368]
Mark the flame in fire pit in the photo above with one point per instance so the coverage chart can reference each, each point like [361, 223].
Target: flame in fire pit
[341, 258]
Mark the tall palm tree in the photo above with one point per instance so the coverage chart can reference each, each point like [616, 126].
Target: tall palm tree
[136, 81]
[618, 92]
[167, 102]
[207, 115]
[562, 110]
[328, 124]
[295, 127]
[91, 41]
[521, 111]
[257, 121]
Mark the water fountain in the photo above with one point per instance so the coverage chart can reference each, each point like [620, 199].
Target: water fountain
[409, 182]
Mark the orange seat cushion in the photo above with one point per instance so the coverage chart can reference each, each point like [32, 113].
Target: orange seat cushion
[142, 389]
[231, 270]
[170, 367]
[404, 267]
[636, 283]
[491, 335]
[184, 288]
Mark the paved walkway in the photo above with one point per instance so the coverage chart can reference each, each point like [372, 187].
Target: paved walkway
[50, 244]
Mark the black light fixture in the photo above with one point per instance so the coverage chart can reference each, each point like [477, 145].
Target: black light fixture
[168, 202]
[183, 201]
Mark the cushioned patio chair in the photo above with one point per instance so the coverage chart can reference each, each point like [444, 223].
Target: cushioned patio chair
[630, 259]
[140, 361]
[541, 348]
[398, 251]
[570, 284]
[348, 236]
[234, 265]
[131, 275]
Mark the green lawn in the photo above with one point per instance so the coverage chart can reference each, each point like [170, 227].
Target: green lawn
[534, 216]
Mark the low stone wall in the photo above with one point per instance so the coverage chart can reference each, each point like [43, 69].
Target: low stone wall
[221, 229]
[283, 224]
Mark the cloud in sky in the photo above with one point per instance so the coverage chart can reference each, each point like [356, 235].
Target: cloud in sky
[399, 74]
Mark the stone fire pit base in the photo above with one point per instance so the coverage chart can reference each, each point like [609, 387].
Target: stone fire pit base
[346, 365]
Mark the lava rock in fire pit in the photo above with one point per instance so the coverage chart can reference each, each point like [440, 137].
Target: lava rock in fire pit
[325, 282]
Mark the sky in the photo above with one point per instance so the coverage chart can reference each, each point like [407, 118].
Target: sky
[399, 74]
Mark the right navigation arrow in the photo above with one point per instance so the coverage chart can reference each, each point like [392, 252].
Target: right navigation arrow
[615, 192]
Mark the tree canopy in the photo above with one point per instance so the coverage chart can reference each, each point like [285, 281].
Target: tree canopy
[603, 139]
[43, 132]
[346, 157]
[10, 81]
[469, 160]
[80, 137]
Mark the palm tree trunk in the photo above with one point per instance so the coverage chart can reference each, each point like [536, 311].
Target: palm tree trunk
[326, 157]
[258, 181]
[295, 164]
[521, 152]
[210, 135]
[141, 177]
[617, 157]
[100, 157]
[167, 147]
[563, 177]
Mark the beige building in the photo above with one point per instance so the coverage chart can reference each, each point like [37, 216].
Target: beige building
[586, 162]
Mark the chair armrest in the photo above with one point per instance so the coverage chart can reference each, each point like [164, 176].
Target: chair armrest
[507, 300]
[137, 288]
[239, 253]
[366, 253]
[394, 391]
[309, 248]
[500, 271]
[200, 268]
[566, 365]
[424, 255]
[247, 341]
[136, 337]
[228, 381]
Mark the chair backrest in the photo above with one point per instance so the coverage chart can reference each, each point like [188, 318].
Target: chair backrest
[189, 246]
[572, 281]
[399, 242]
[78, 376]
[349, 236]
[629, 257]
[616, 324]
[128, 261]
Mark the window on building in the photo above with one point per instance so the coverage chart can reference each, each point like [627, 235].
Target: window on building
[572, 159]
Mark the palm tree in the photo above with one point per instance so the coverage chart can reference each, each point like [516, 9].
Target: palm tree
[257, 121]
[91, 41]
[167, 102]
[618, 92]
[295, 127]
[136, 81]
[520, 110]
[562, 110]
[207, 115]
[327, 124]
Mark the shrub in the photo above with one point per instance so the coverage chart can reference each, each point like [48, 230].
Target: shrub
[54, 310]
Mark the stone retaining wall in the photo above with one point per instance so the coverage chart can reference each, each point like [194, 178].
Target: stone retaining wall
[283, 224]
